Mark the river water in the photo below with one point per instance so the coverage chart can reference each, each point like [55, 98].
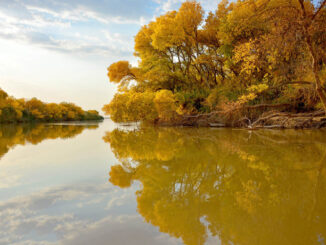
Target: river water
[102, 183]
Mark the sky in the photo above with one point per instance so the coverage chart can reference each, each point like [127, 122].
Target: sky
[59, 50]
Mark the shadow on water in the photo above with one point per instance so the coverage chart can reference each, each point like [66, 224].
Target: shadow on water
[258, 187]
[21, 134]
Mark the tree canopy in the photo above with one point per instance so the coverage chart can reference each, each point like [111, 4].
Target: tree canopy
[248, 52]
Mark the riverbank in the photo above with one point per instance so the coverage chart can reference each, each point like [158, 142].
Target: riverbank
[268, 120]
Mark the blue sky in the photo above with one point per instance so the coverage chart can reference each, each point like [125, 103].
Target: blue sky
[58, 50]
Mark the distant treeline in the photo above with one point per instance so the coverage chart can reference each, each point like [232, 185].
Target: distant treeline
[14, 110]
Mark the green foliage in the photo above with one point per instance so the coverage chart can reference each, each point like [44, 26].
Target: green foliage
[192, 102]
[214, 98]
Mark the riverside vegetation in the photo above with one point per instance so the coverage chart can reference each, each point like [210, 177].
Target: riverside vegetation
[251, 63]
[21, 110]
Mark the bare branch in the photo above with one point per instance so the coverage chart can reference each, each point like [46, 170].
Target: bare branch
[302, 8]
[322, 5]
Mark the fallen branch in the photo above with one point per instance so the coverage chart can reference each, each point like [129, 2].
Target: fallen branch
[238, 108]
[308, 118]
[266, 106]
[261, 119]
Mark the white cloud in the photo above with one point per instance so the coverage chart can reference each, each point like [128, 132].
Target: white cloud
[118, 201]
[53, 25]
[8, 180]
[82, 14]
[168, 5]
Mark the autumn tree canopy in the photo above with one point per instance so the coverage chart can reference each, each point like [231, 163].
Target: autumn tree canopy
[249, 52]
[22, 110]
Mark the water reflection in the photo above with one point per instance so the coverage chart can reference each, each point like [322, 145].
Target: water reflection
[56, 192]
[11, 135]
[259, 187]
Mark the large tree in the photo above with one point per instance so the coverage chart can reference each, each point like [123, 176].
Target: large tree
[247, 52]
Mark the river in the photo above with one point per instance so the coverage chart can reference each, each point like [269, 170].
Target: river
[103, 183]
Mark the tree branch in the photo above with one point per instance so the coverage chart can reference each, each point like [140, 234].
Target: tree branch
[302, 7]
[293, 82]
[319, 9]
[300, 82]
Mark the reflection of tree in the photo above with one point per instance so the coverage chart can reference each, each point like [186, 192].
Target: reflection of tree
[11, 135]
[261, 187]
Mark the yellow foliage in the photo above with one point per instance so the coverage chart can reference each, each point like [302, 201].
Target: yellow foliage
[254, 91]
[119, 70]
[165, 104]
[21, 110]
[132, 106]
[244, 49]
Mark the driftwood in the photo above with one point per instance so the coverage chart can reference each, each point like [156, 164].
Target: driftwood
[290, 120]
[217, 125]
[266, 106]
[267, 116]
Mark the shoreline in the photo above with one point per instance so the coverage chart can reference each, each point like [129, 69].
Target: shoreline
[54, 122]
[271, 120]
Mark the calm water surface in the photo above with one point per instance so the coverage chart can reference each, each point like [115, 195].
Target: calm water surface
[109, 184]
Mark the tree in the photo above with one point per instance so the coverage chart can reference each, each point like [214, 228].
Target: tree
[282, 40]
[211, 62]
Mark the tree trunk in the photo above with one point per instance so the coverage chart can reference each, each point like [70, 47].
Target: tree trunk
[320, 90]
[306, 25]
[314, 66]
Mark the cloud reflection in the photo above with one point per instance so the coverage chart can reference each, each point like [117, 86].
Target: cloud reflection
[68, 215]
